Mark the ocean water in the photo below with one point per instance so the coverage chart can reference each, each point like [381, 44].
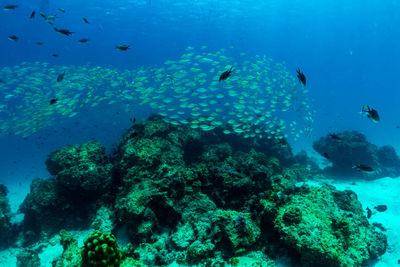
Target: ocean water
[348, 51]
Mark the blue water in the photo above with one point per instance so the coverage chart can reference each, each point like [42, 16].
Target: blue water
[347, 49]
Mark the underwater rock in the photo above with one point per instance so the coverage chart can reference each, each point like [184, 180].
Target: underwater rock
[7, 231]
[71, 256]
[353, 148]
[28, 258]
[81, 168]
[324, 226]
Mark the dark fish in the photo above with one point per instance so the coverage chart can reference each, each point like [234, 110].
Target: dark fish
[63, 31]
[84, 40]
[362, 167]
[325, 155]
[13, 38]
[301, 77]
[54, 55]
[283, 142]
[381, 208]
[42, 15]
[334, 136]
[133, 120]
[10, 7]
[370, 113]
[122, 47]
[85, 20]
[225, 74]
[39, 43]
[379, 225]
[133, 135]
[33, 14]
[61, 10]
[60, 77]
[369, 213]
[53, 101]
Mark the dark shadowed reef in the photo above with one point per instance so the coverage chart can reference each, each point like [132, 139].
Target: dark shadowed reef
[188, 196]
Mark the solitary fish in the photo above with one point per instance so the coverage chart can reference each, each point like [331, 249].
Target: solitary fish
[362, 167]
[39, 43]
[60, 77]
[63, 31]
[122, 47]
[61, 10]
[33, 14]
[84, 40]
[335, 136]
[53, 101]
[371, 113]
[54, 55]
[301, 77]
[85, 20]
[10, 7]
[13, 38]
[225, 74]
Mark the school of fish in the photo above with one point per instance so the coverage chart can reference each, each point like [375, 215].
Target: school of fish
[260, 98]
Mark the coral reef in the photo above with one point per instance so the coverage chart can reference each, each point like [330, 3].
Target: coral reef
[7, 230]
[353, 148]
[193, 197]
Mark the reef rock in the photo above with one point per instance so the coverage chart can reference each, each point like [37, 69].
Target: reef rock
[6, 229]
[353, 148]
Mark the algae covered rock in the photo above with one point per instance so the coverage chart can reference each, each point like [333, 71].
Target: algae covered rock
[6, 229]
[28, 258]
[101, 249]
[81, 168]
[325, 227]
[71, 256]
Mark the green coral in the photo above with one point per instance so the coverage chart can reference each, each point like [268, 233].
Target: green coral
[101, 249]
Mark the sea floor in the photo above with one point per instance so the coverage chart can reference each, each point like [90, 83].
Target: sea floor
[384, 191]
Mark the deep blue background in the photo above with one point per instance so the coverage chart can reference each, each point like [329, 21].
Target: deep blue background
[349, 51]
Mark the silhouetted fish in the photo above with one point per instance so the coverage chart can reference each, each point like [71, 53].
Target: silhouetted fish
[84, 40]
[54, 55]
[301, 77]
[33, 14]
[123, 47]
[85, 20]
[60, 77]
[39, 43]
[334, 136]
[362, 167]
[10, 7]
[13, 38]
[225, 74]
[63, 31]
[53, 101]
[61, 10]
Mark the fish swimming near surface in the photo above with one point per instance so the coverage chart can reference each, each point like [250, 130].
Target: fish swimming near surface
[122, 47]
[10, 7]
[84, 40]
[85, 20]
[53, 101]
[63, 31]
[33, 14]
[301, 77]
[13, 38]
[362, 167]
[335, 136]
[60, 77]
[371, 113]
[225, 75]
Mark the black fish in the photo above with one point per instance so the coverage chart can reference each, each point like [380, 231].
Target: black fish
[362, 167]
[122, 47]
[84, 40]
[334, 136]
[33, 14]
[369, 213]
[85, 20]
[380, 226]
[61, 10]
[370, 113]
[60, 77]
[10, 7]
[53, 101]
[54, 55]
[42, 15]
[381, 208]
[13, 38]
[133, 120]
[225, 74]
[301, 77]
[63, 31]
[39, 43]
[325, 155]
